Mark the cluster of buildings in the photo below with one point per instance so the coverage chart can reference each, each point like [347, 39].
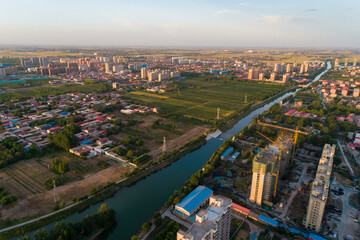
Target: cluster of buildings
[345, 64]
[269, 164]
[282, 73]
[93, 124]
[340, 88]
[320, 189]
[210, 214]
[157, 74]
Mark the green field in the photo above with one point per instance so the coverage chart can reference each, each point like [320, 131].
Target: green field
[199, 98]
[62, 89]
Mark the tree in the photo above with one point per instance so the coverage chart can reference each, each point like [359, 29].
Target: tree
[63, 139]
[135, 237]
[59, 165]
[146, 226]
[41, 235]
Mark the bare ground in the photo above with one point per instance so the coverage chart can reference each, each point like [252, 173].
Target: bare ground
[178, 141]
[43, 202]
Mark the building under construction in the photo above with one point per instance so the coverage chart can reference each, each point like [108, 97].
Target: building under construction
[268, 165]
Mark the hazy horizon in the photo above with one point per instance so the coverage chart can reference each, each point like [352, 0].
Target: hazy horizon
[199, 23]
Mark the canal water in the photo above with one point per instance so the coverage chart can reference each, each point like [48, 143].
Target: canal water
[136, 204]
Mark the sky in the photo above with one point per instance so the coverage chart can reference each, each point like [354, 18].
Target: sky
[185, 23]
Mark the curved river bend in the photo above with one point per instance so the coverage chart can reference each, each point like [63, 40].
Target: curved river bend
[136, 204]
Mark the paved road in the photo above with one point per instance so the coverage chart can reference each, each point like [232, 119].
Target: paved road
[39, 218]
[346, 225]
[293, 194]
[346, 160]
[254, 229]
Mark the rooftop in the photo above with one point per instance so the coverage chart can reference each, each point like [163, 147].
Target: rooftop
[194, 199]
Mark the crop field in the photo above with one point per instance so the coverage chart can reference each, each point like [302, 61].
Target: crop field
[199, 98]
[25, 178]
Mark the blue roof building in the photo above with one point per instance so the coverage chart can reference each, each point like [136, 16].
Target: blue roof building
[268, 221]
[295, 231]
[194, 200]
[85, 142]
[315, 237]
[227, 153]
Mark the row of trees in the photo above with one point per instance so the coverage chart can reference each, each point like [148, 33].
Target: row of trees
[103, 219]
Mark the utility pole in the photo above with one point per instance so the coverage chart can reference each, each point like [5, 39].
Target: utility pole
[55, 193]
[164, 146]
[218, 114]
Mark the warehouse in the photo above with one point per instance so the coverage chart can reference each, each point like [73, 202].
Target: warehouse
[192, 202]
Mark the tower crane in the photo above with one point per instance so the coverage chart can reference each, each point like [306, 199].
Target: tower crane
[295, 131]
[278, 164]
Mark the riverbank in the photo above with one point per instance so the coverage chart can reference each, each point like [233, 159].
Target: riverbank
[231, 122]
[34, 223]
[207, 168]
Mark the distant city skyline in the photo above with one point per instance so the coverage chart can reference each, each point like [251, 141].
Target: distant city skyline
[197, 23]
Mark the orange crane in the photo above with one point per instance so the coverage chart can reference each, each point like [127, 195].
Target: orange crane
[296, 134]
[278, 163]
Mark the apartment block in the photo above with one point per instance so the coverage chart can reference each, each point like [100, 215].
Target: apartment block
[212, 223]
[320, 189]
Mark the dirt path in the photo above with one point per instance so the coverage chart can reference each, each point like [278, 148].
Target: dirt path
[43, 202]
[178, 141]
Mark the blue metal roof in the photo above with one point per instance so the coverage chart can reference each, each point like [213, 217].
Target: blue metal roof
[195, 198]
[236, 155]
[270, 221]
[227, 152]
[316, 237]
[282, 225]
[85, 142]
[293, 230]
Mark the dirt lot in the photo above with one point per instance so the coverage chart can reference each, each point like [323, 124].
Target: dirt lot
[178, 141]
[43, 202]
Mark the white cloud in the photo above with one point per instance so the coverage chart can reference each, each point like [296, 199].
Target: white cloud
[275, 19]
[225, 12]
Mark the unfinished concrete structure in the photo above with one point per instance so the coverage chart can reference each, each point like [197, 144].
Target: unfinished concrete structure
[271, 161]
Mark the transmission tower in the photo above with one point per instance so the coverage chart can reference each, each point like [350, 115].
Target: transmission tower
[164, 146]
[245, 98]
[218, 114]
[56, 197]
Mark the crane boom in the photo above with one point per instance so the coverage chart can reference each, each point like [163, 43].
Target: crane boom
[282, 128]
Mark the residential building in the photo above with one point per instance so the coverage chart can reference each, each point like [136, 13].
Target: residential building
[2, 72]
[267, 163]
[286, 77]
[320, 189]
[143, 73]
[289, 68]
[253, 74]
[261, 77]
[212, 223]
[273, 77]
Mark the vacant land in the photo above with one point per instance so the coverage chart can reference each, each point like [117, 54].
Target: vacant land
[25, 178]
[43, 202]
[25, 84]
[45, 91]
[178, 136]
[199, 98]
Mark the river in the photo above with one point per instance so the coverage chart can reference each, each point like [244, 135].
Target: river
[136, 204]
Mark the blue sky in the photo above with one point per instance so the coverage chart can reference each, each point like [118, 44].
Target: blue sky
[206, 23]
